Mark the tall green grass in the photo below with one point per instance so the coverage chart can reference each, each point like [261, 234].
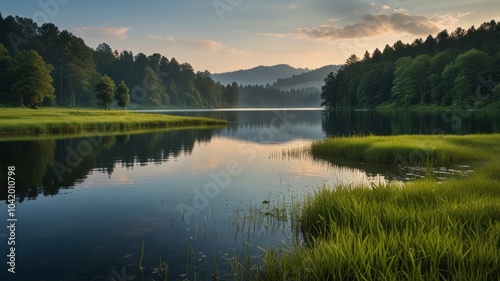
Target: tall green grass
[415, 149]
[21, 121]
[414, 231]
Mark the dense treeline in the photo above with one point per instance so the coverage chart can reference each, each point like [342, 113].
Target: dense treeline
[461, 70]
[75, 69]
[267, 96]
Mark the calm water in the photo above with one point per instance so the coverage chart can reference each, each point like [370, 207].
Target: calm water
[86, 204]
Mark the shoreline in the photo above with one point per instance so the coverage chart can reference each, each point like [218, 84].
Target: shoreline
[360, 230]
[62, 121]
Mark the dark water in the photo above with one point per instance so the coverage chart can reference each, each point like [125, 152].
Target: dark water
[84, 205]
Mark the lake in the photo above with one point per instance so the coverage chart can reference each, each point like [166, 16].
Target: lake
[86, 206]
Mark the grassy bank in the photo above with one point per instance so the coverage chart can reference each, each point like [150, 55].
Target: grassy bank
[20, 121]
[415, 149]
[417, 231]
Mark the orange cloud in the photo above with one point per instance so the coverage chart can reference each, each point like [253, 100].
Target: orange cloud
[368, 26]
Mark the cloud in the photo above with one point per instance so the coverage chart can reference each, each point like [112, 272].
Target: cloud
[161, 38]
[213, 45]
[370, 26]
[277, 35]
[103, 32]
[385, 7]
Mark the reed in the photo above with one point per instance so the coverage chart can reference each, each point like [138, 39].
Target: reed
[417, 232]
[422, 230]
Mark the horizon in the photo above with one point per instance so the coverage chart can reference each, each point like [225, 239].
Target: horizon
[243, 35]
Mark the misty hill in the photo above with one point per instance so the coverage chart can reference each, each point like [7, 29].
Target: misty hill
[259, 75]
[311, 79]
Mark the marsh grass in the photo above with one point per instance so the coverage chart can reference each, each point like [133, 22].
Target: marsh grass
[438, 150]
[418, 230]
[20, 121]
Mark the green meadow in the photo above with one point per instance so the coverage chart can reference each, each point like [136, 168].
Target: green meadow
[21, 121]
[422, 230]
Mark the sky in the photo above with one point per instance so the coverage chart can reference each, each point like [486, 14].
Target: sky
[228, 35]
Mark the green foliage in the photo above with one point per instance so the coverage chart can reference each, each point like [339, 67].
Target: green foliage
[258, 95]
[154, 80]
[122, 95]
[32, 81]
[458, 70]
[105, 91]
[5, 75]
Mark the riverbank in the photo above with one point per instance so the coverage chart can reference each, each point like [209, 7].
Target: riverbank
[55, 121]
[421, 230]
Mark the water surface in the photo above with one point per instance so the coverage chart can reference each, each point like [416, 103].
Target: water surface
[86, 204]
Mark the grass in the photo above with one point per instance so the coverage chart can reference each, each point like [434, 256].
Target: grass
[409, 149]
[416, 231]
[21, 121]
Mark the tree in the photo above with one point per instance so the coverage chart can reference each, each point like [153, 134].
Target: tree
[438, 63]
[366, 56]
[419, 70]
[122, 95]
[5, 66]
[105, 89]
[402, 85]
[353, 59]
[33, 82]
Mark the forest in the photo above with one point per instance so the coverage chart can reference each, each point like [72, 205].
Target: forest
[42, 66]
[458, 70]
[268, 96]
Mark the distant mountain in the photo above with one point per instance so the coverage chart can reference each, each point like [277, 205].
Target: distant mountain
[311, 79]
[259, 75]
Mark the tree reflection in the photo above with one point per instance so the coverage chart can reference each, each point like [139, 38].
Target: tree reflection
[43, 167]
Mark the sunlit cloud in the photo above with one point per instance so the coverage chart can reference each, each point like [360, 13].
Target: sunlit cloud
[216, 46]
[211, 44]
[385, 7]
[102, 32]
[161, 38]
[277, 35]
[372, 25]
[368, 26]
[449, 21]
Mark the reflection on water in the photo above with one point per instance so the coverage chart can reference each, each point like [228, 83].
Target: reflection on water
[338, 123]
[86, 204]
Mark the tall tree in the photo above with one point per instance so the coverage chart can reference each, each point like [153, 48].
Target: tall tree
[105, 91]
[33, 82]
[122, 95]
[419, 71]
[5, 67]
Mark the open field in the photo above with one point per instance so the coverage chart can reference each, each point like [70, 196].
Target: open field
[415, 231]
[20, 121]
